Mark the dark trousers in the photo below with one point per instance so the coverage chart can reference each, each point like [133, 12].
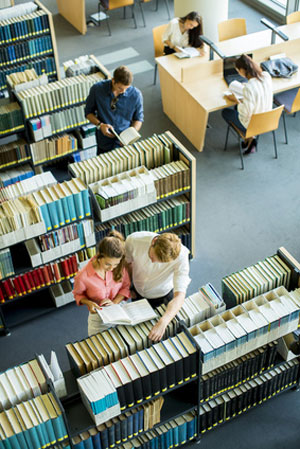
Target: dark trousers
[231, 115]
[168, 50]
[155, 302]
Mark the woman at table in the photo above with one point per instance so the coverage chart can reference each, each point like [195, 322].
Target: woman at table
[104, 280]
[183, 32]
[257, 97]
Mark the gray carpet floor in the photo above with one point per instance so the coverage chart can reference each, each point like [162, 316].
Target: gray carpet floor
[242, 216]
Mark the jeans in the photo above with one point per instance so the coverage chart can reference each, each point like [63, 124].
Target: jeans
[231, 115]
[155, 302]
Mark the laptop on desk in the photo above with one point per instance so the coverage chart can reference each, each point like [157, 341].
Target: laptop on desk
[229, 71]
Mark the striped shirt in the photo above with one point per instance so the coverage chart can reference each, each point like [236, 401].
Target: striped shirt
[258, 97]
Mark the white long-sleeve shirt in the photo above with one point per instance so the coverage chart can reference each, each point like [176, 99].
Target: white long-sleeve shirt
[155, 279]
[257, 97]
[174, 35]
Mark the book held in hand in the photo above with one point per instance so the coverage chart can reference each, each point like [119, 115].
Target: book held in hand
[129, 314]
[235, 88]
[128, 136]
[188, 52]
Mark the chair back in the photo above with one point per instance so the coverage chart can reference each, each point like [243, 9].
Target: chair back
[293, 17]
[115, 4]
[228, 29]
[264, 122]
[296, 103]
[157, 39]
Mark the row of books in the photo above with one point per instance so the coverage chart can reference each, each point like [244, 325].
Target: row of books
[201, 305]
[152, 152]
[121, 194]
[59, 94]
[184, 235]
[116, 343]
[121, 428]
[32, 424]
[246, 327]
[32, 48]
[26, 186]
[5, 3]
[13, 153]
[40, 65]
[11, 118]
[155, 218]
[57, 122]
[255, 280]
[23, 27]
[60, 243]
[21, 383]
[252, 393]
[6, 264]
[147, 373]
[18, 81]
[238, 371]
[15, 175]
[85, 154]
[82, 65]
[33, 280]
[171, 178]
[49, 149]
[18, 10]
[85, 255]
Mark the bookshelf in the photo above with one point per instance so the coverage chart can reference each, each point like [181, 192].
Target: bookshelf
[127, 223]
[25, 47]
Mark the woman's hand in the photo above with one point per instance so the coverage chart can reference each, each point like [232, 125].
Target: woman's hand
[232, 97]
[92, 306]
[106, 302]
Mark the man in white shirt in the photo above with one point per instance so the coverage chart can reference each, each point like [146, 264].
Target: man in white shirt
[159, 266]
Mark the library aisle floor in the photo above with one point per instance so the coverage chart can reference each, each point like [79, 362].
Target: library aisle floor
[242, 216]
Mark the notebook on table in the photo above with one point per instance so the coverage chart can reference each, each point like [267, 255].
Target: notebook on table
[229, 71]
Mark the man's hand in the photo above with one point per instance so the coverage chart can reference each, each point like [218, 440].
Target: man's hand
[105, 129]
[158, 330]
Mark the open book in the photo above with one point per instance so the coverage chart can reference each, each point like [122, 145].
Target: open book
[188, 52]
[131, 313]
[128, 136]
[235, 88]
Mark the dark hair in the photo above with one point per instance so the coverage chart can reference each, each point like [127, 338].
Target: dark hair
[251, 68]
[194, 40]
[113, 246]
[123, 75]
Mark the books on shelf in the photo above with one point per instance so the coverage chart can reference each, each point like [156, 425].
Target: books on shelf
[32, 48]
[131, 314]
[25, 80]
[128, 136]
[11, 118]
[18, 10]
[171, 178]
[81, 65]
[54, 373]
[24, 26]
[49, 149]
[86, 136]
[15, 175]
[13, 153]
[27, 186]
[6, 264]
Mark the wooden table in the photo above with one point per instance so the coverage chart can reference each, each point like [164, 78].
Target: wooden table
[192, 88]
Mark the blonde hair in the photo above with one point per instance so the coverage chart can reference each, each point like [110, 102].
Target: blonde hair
[167, 247]
[113, 246]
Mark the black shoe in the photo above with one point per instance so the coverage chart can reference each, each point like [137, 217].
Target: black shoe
[251, 148]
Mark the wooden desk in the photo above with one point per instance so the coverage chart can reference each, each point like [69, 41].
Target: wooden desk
[192, 88]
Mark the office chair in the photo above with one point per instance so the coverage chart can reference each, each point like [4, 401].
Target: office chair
[260, 123]
[290, 99]
[116, 4]
[293, 17]
[228, 29]
[158, 44]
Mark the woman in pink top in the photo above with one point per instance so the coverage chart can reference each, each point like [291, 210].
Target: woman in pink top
[104, 280]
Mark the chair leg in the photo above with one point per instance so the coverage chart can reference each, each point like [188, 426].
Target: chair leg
[108, 27]
[241, 153]
[226, 140]
[284, 127]
[156, 7]
[275, 145]
[133, 16]
[124, 12]
[142, 12]
[155, 74]
[167, 6]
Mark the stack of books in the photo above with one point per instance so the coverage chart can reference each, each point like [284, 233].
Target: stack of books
[99, 396]
[255, 280]
[248, 395]
[123, 193]
[59, 94]
[11, 118]
[15, 175]
[13, 153]
[33, 424]
[48, 149]
[246, 327]
[60, 243]
[86, 136]
[152, 152]
[6, 264]
[21, 383]
[42, 276]
[24, 187]
[201, 305]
